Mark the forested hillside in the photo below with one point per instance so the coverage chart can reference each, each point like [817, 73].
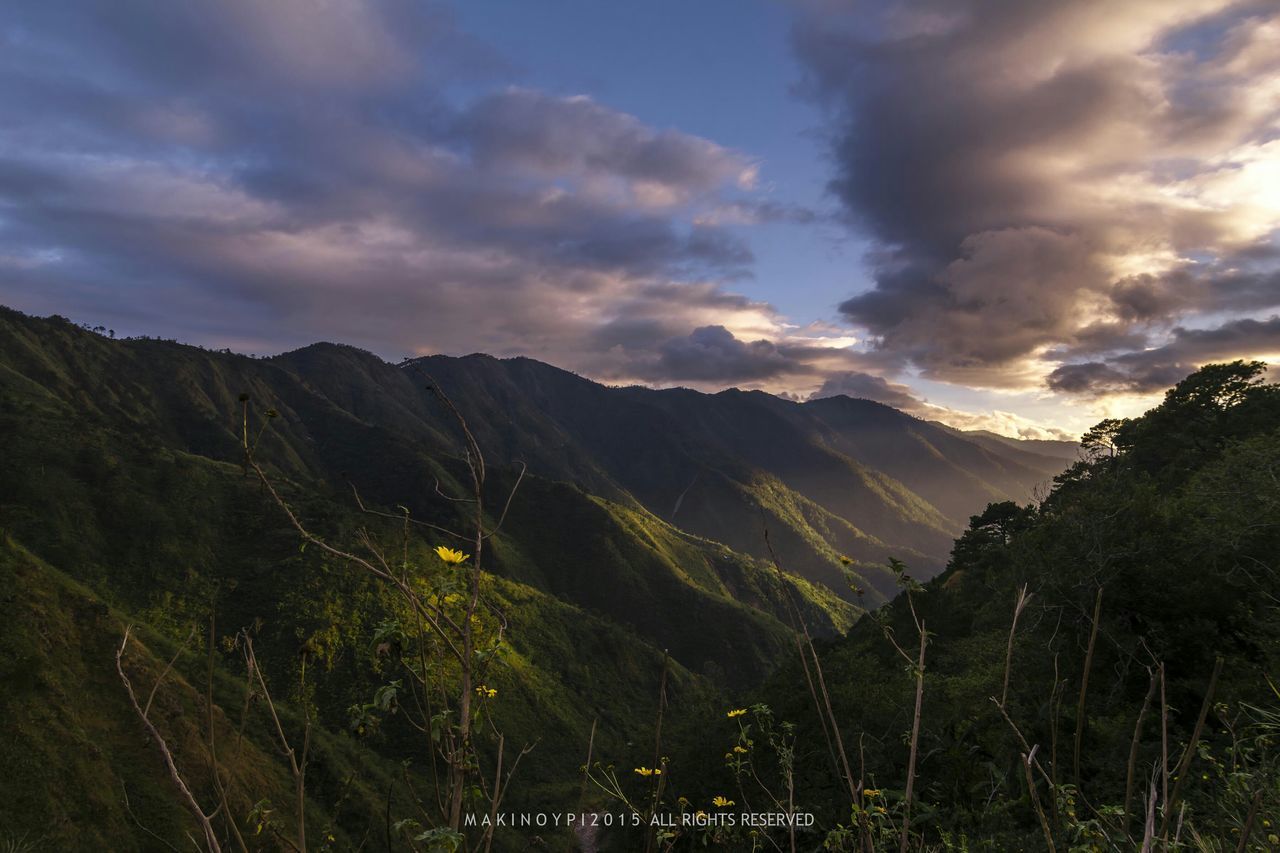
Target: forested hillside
[827, 478]
[630, 563]
[1101, 669]
[126, 501]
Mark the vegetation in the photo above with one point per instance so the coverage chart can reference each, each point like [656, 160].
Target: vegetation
[124, 475]
[272, 604]
[1101, 666]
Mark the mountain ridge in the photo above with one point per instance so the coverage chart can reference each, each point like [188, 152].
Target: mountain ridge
[653, 442]
[636, 544]
[826, 478]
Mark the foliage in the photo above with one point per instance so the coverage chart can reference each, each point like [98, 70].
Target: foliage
[1170, 528]
[1076, 648]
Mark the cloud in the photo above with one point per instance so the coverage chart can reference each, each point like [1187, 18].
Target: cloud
[656, 350]
[1088, 182]
[1034, 174]
[1007, 292]
[866, 386]
[755, 212]
[712, 353]
[1154, 369]
[532, 132]
[275, 173]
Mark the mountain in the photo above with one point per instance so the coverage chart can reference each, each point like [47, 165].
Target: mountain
[1066, 451]
[123, 500]
[637, 533]
[94, 411]
[644, 622]
[826, 478]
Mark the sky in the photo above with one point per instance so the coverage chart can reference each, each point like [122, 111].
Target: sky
[1002, 215]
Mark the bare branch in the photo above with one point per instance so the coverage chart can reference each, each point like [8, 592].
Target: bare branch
[1084, 688]
[189, 800]
[146, 709]
[1133, 749]
[1180, 774]
[403, 517]
[510, 496]
[1027, 759]
[297, 762]
[310, 537]
[441, 493]
[915, 736]
[1018, 605]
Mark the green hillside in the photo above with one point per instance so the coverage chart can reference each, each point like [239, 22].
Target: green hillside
[835, 476]
[1171, 528]
[121, 476]
[638, 532]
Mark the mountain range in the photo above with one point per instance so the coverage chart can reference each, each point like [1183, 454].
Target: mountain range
[826, 478]
[647, 523]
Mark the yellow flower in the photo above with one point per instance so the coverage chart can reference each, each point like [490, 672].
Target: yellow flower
[452, 557]
[741, 750]
[682, 801]
[845, 561]
[720, 802]
[871, 792]
[649, 771]
[736, 713]
[879, 810]
[487, 692]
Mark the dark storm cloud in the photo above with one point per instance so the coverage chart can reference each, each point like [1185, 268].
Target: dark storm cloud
[1154, 369]
[263, 174]
[1149, 297]
[1033, 172]
[1097, 378]
[1243, 290]
[712, 353]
